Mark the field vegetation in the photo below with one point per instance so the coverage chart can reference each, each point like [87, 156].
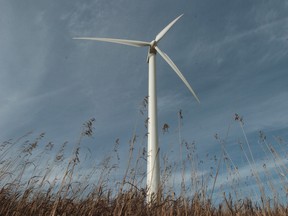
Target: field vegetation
[40, 178]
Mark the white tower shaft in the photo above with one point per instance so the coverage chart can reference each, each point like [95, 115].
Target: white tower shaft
[153, 167]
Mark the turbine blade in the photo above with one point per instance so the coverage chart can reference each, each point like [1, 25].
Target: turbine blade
[148, 56]
[175, 68]
[166, 29]
[118, 41]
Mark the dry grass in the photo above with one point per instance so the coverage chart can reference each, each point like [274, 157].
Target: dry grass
[29, 185]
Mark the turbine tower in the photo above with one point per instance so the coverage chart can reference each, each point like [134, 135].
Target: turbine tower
[153, 168]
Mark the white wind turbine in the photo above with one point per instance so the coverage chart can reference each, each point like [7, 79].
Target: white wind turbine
[153, 169]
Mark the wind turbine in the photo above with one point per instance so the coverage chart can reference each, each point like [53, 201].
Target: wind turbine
[153, 168]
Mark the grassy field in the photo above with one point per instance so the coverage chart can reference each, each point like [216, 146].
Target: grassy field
[38, 178]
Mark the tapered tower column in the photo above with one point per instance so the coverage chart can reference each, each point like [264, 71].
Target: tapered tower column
[153, 169]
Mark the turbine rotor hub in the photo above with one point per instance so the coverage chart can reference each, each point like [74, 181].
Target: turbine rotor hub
[153, 43]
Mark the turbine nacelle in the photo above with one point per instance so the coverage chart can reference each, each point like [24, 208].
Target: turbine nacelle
[152, 49]
[153, 43]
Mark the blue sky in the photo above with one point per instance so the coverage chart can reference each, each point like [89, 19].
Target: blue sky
[233, 53]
